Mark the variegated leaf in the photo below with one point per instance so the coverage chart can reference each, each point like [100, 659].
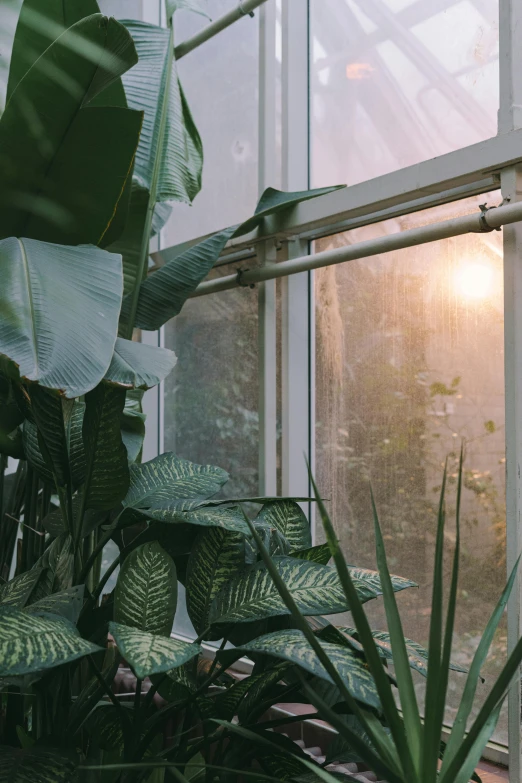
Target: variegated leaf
[292, 646]
[288, 518]
[18, 591]
[417, 654]
[37, 765]
[107, 469]
[216, 556]
[167, 478]
[226, 518]
[67, 603]
[372, 581]
[316, 554]
[29, 643]
[147, 590]
[148, 654]
[252, 595]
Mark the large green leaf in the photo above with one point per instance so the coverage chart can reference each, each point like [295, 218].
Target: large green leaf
[18, 591]
[197, 6]
[164, 292]
[216, 557]
[10, 418]
[60, 309]
[33, 453]
[132, 421]
[29, 643]
[48, 190]
[48, 414]
[316, 589]
[292, 646]
[74, 412]
[37, 765]
[148, 654]
[288, 518]
[107, 469]
[145, 86]
[38, 26]
[139, 366]
[317, 554]
[167, 478]
[58, 562]
[147, 590]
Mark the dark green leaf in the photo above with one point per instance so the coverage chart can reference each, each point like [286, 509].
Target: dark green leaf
[37, 765]
[67, 603]
[148, 654]
[18, 591]
[317, 554]
[288, 518]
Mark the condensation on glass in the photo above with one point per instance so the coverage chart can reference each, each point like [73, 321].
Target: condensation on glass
[396, 82]
[220, 80]
[409, 358]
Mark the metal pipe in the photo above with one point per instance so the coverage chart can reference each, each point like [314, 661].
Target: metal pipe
[485, 221]
[245, 8]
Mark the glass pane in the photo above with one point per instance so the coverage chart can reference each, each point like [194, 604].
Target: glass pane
[211, 397]
[220, 82]
[395, 82]
[409, 360]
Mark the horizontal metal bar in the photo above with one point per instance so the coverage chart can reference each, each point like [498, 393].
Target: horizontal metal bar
[477, 223]
[246, 8]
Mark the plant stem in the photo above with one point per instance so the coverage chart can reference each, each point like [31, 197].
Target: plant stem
[108, 690]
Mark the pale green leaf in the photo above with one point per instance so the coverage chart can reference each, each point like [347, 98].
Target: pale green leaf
[197, 6]
[60, 308]
[216, 557]
[139, 366]
[29, 643]
[147, 590]
[148, 654]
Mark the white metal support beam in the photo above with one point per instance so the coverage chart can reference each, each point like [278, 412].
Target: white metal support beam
[296, 347]
[266, 254]
[510, 121]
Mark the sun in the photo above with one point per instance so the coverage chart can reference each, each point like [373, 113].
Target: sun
[474, 280]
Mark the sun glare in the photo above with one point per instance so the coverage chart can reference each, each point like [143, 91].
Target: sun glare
[474, 280]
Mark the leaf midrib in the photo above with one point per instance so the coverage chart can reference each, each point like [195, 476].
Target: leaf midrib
[25, 264]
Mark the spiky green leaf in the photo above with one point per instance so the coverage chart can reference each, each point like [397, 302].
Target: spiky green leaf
[167, 478]
[29, 643]
[147, 590]
[37, 765]
[48, 299]
[107, 469]
[139, 366]
[288, 518]
[148, 654]
[216, 557]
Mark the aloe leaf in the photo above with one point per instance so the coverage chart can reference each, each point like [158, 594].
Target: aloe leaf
[216, 557]
[147, 590]
[29, 643]
[435, 698]
[148, 654]
[410, 708]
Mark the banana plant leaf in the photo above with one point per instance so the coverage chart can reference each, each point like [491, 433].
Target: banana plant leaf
[48, 190]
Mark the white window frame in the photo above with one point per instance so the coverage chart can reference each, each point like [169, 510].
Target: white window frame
[479, 168]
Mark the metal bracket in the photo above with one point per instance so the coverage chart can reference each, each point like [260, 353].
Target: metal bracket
[484, 209]
[239, 282]
[242, 11]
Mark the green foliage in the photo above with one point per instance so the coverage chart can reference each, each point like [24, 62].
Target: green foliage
[148, 654]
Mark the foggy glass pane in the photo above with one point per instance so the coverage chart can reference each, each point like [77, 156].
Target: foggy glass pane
[211, 397]
[220, 80]
[409, 359]
[395, 82]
